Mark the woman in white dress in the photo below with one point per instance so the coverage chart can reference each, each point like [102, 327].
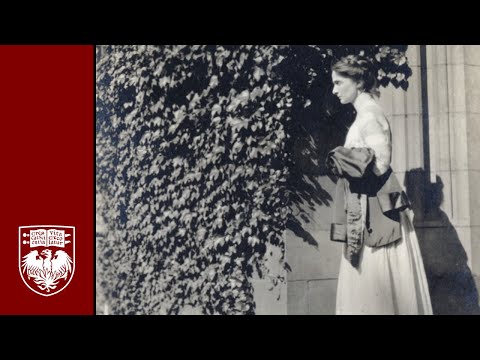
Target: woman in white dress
[386, 279]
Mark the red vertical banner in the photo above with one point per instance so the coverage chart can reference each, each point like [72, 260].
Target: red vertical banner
[47, 180]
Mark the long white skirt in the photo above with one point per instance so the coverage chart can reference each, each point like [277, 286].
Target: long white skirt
[389, 280]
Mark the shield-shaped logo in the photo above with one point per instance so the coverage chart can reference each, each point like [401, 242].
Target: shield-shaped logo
[46, 257]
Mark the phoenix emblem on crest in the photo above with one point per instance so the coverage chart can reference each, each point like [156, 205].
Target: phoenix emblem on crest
[47, 269]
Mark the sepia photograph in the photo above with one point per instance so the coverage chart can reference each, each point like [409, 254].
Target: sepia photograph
[287, 179]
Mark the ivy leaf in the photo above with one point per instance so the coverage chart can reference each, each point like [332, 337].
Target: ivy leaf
[213, 82]
[258, 73]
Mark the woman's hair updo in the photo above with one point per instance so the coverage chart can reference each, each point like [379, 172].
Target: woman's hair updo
[361, 70]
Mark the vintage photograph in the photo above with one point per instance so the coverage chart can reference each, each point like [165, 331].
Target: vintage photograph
[287, 179]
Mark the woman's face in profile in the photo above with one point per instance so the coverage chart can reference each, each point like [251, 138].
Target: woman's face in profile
[344, 88]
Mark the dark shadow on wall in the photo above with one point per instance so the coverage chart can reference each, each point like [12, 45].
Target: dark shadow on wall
[452, 287]
[315, 130]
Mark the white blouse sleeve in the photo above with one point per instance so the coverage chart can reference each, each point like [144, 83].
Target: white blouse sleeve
[378, 138]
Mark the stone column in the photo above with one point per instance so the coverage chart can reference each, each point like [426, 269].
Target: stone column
[448, 225]
[471, 65]
[453, 73]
